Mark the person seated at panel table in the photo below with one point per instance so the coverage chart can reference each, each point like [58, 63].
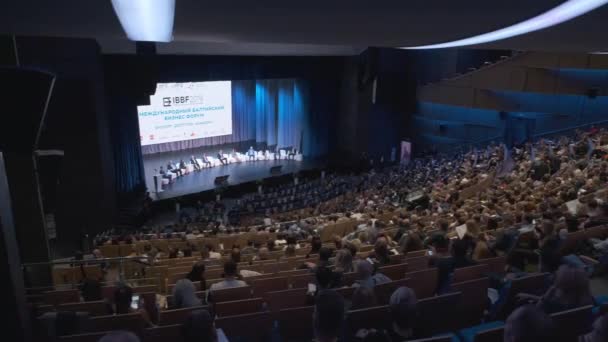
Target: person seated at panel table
[173, 168]
[277, 152]
[206, 160]
[251, 153]
[164, 174]
[194, 163]
[235, 156]
[182, 166]
[292, 154]
[220, 156]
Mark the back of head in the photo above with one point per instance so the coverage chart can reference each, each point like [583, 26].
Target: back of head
[403, 309]
[91, 290]
[198, 272]
[235, 255]
[344, 260]
[230, 269]
[199, 327]
[119, 336]
[325, 254]
[122, 298]
[573, 286]
[184, 294]
[328, 315]
[324, 277]
[364, 269]
[528, 324]
[459, 248]
[290, 251]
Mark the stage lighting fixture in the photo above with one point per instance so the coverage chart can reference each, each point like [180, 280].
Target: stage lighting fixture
[557, 15]
[146, 20]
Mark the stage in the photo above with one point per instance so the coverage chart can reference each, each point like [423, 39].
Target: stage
[203, 180]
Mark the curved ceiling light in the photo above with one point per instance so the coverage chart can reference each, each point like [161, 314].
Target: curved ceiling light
[557, 15]
[146, 20]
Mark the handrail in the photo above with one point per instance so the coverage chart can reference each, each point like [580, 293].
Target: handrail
[84, 261]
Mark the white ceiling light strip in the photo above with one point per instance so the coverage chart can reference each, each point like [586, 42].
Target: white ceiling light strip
[146, 20]
[557, 15]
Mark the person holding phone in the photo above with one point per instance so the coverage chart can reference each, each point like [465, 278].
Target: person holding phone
[126, 302]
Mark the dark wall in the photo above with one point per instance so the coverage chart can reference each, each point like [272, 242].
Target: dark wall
[374, 125]
[76, 123]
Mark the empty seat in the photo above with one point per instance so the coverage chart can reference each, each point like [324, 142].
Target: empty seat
[253, 327]
[436, 315]
[474, 300]
[235, 293]
[444, 338]
[300, 281]
[497, 265]
[395, 272]
[96, 308]
[377, 317]
[470, 273]
[87, 337]
[238, 307]
[262, 286]
[293, 298]
[163, 333]
[384, 291]
[423, 282]
[61, 296]
[177, 316]
[132, 322]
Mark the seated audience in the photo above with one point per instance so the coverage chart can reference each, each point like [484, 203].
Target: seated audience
[403, 312]
[197, 274]
[343, 261]
[529, 324]
[569, 291]
[230, 278]
[599, 332]
[184, 295]
[123, 296]
[365, 275]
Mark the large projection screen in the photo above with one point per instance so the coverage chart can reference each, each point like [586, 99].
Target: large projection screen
[185, 111]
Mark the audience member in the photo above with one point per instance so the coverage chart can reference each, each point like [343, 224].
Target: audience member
[328, 317]
[403, 312]
[230, 278]
[197, 274]
[184, 295]
[529, 324]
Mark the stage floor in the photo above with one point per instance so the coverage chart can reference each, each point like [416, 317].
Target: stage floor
[204, 180]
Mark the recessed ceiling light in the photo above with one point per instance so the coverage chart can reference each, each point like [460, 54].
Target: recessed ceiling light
[557, 15]
[146, 20]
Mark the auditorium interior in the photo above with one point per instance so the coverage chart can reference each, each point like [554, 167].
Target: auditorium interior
[181, 170]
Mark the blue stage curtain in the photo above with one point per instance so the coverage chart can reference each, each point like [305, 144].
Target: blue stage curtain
[128, 165]
[266, 112]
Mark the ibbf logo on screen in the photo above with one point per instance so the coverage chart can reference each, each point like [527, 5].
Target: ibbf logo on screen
[181, 100]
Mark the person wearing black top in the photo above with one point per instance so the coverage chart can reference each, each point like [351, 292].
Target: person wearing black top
[221, 157]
